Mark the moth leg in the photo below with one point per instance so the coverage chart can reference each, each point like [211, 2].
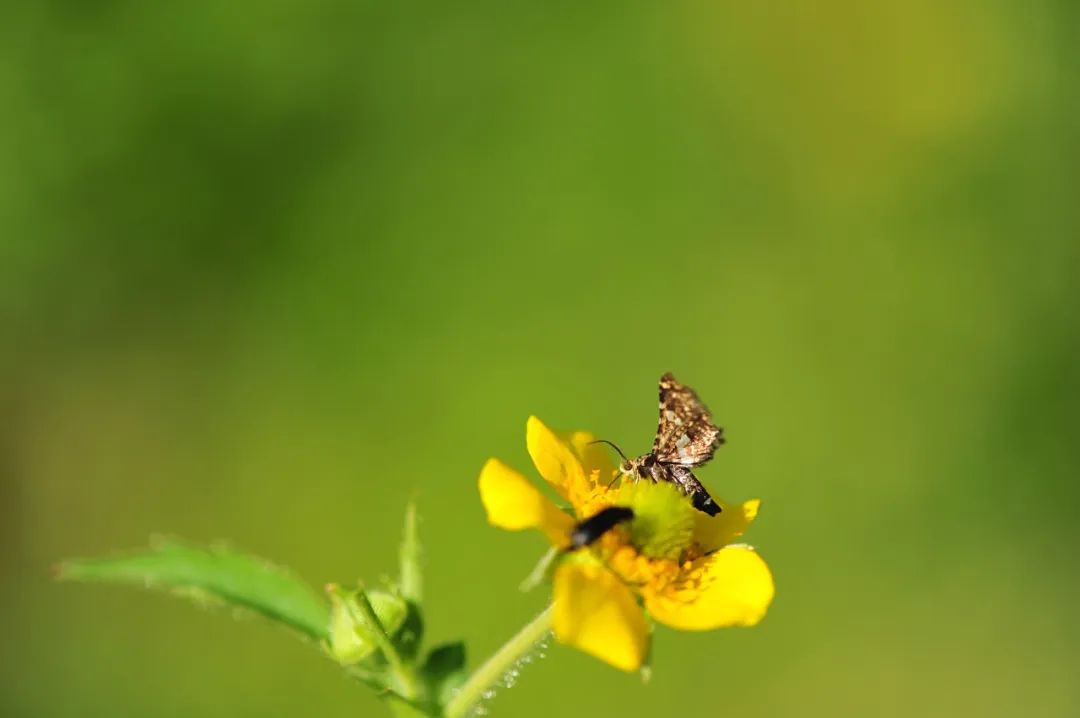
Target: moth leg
[618, 475]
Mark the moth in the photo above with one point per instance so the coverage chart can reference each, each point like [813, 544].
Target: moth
[686, 438]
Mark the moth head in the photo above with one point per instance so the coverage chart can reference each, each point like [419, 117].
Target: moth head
[627, 466]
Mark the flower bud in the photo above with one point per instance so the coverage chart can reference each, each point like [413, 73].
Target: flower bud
[352, 637]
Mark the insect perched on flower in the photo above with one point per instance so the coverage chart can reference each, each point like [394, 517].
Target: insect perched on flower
[627, 547]
[686, 437]
[592, 529]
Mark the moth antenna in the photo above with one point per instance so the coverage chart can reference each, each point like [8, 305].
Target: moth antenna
[612, 445]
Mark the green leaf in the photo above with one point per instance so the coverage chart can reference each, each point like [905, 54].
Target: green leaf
[409, 633]
[444, 670]
[402, 708]
[217, 574]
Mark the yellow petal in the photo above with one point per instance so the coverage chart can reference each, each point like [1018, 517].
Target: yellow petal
[595, 458]
[732, 587]
[715, 532]
[513, 503]
[556, 461]
[597, 614]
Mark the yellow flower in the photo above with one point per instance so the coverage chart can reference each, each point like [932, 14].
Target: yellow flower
[678, 563]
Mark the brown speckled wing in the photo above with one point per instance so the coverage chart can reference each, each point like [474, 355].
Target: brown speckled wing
[686, 434]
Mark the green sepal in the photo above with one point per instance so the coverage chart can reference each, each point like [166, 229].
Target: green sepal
[410, 559]
[352, 637]
[410, 580]
[390, 608]
[212, 576]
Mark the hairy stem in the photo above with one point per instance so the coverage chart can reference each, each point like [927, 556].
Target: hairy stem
[501, 662]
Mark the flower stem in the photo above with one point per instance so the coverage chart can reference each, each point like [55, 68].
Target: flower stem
[492, 671]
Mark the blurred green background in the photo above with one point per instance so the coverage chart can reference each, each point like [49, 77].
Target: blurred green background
[270, 269]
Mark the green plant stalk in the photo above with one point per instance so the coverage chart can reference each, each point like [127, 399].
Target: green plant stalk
[492, 671]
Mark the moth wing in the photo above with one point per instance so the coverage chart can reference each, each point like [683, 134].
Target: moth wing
[686, 434]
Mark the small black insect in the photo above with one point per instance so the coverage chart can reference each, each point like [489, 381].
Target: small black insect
[591, 529]
[686, 437]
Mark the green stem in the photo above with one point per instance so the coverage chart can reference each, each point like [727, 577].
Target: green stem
[493, 670]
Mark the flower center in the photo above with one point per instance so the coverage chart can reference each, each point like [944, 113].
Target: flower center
[663, 524]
